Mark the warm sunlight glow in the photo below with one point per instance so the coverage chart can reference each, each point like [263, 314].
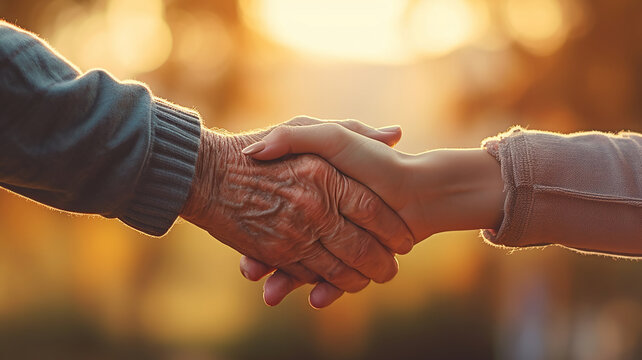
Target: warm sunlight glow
[438, 27]
[357, 29]
[537, 24]
[450, 73]
[203, 43]
[139, 37]
[127, 38]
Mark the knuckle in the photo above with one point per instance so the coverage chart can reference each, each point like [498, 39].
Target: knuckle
[300, 120]
[281, 131]
[368, 208]
[351, 124]
[334, 273]
[370, 203]
[360, 257]
[312, 253]
[330, 227]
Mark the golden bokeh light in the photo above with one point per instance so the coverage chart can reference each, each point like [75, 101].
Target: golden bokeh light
[371, 31]
[449, 72]
[538, 25]
[437, 27]
[188, 293]
[126, 37]
[365, 30]
[202, 43]
[139, 36]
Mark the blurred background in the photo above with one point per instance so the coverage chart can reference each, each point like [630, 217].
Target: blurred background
[450, 72]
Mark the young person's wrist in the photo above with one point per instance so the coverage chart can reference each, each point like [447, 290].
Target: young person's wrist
[457, 190]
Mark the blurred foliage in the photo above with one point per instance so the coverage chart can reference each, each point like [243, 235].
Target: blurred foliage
[450, 72]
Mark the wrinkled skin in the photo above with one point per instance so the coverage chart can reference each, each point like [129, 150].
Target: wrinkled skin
[299, 215]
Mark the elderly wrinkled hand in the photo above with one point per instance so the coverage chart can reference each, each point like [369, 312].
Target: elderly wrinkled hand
[299, 215]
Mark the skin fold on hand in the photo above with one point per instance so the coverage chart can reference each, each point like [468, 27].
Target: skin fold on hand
[298, 214]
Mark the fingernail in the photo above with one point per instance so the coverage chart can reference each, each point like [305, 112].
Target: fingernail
[245, 274]
[393, 128]
[254, 148]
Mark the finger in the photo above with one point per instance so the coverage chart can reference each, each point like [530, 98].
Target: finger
[366, 210]
[353, 154]
[323, 295]
[254, 270]
[277, 286]
[361, 251]
[301, 273]
[389, 135]
[328, 139]
[336, 272]
[303, 120]
[282, 282]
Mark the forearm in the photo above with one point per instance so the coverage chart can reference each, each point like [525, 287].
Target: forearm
[583, 191]
[454, 190]
[89, 143]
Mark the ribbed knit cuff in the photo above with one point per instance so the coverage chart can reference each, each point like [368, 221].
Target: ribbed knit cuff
[166, 179]
[511, 151]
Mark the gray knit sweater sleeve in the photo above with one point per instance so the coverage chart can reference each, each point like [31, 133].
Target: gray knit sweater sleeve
[88, 143]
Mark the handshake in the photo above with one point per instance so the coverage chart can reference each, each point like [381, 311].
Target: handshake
[336, 215]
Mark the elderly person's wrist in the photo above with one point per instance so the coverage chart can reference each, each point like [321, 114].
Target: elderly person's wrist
[212, 145]
[216, 153]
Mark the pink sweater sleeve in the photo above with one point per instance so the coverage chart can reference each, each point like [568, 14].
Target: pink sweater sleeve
[582, 190]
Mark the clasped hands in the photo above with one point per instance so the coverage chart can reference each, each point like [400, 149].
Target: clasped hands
[336, 215]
